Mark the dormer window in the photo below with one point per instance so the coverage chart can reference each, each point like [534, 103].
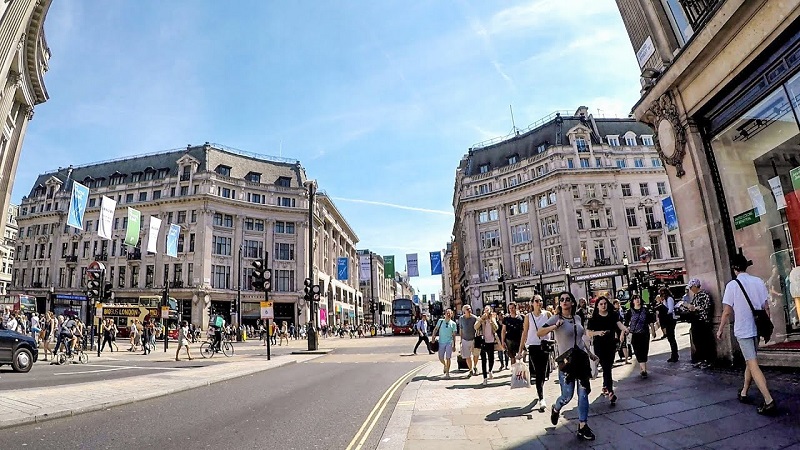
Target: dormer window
[148, 173]
[223, 170]
[484, 168]
[136, 176]
[253, 177]
[630, 139]
[512, 159]
[162, 173]
[541, 148]
[116, 178]
[284, 182]
[613, 140]
[647, 140]
[581, 145]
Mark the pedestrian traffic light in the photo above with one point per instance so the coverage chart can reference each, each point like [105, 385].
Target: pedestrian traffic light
[514, 292]
[257, 276]
[267, 280]
[316, 290]
[93, 289]
[372, 306]
[307, 289]
[108, 290]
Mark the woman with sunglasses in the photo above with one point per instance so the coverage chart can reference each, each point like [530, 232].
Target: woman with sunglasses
[486, 326]
[537, 356]
[638, 320]
[602, 327]
[569, 331]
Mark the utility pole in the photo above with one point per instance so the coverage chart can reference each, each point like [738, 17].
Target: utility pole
[165, 302]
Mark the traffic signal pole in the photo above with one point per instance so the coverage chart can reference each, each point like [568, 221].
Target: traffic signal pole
[94, 312]
[166, 303]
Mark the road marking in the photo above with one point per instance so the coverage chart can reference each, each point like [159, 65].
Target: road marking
[115, 368]
[372, 418]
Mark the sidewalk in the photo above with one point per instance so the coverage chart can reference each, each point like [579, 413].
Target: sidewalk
[678, 406]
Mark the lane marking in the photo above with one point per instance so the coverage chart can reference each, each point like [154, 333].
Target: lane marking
[377, 411]
[115, 368]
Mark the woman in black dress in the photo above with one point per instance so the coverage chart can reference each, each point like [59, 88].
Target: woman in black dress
[602, 327]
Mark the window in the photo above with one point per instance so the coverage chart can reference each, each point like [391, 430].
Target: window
[649, 216]
[523, 264]
[621, 163]
[630, 216]
[223, 170]
[604, 190]
[636, 245]
[594, 218]
[184, 190]
[656, 162]
[259, 226]
[284, 251]
[598, 162]
[523, 207]
[256, 198]
[576, 194]
[142, 196]
[284, 281]
[638, 163]
[626, 190]
[512, 181]
[220, 277]
[613, 140]
[149, 275]
[254, 249]
[156, 195]
[135, 276]
[609, 218]
[255, 177]
[541, 170]
[541, 148]
[191, 242]
[647, 140]
[520, 233]
[283, 227]
[662, 188]
[490, 269]
[169, 217]
[181, 216]
[136, 176]
[493, 214]
[585, 163]
[286, 201]
[655, 247]
[121, 277]
[129, 198]
[221, 220]
[484, 168]
[177, 273]
[512, 209]
[512, 159]
[644, 189]
[599, 251]
[580, 144]
[483, 189]
[549, 226]
[590, 191]
[570, 163]
[194, 216]
[221, 245]
[552, 259]
[579, 216]
[483, 216]
[172, 192]
[672, 242]
[181, 242]
[490, 239]
[630, 141]
[190, 274]
[225, 192]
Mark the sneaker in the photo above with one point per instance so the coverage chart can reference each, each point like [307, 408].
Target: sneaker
[542, 405]
[491, 377]
[585, 433]
[447, 375]
[613, 399]
[475, 370]
[644, 374]
[553, 415]
[469, 374]
[485, 382]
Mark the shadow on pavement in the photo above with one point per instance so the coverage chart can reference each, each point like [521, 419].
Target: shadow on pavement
[512, 412]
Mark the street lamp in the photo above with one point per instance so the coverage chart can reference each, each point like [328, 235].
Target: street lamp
[311, 185]
[567, 272]
[625, 272]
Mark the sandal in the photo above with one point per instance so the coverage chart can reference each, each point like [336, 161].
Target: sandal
[768, 409]
[742, 398]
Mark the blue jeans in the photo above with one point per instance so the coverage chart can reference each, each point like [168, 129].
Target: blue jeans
[567, 391]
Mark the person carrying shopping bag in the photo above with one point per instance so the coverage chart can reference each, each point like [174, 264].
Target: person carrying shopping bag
[486, 328]
[538, 348]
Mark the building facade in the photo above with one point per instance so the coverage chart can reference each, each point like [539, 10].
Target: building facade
[447, 277]
[572, 197]
[721, 85]
[232, 208]
[379, 291]
[8, 247]
[25, 55]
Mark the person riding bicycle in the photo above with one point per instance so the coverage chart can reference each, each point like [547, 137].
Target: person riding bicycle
[218, 324]
[66, 334]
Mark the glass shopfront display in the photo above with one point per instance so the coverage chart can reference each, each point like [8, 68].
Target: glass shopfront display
[758, 159]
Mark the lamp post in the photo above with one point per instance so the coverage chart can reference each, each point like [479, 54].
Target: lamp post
[625, 263]
[311, 185]
[567, 272]
[239, 291]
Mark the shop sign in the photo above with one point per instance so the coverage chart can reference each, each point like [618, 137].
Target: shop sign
[596, 276]
[76, 298]
[745, 219]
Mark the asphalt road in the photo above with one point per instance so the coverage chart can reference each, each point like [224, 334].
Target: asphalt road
[314, 405]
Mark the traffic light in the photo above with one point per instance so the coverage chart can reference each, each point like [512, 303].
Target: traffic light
[257, 278]
[316, 290]
[372, 306]
[307, 289]
[94, 289]
[108, 290]
[514, 292]
[267, 280]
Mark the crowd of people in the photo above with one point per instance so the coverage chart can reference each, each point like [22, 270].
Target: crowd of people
[583, 340]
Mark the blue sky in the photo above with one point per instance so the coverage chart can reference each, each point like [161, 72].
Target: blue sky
[379, 100]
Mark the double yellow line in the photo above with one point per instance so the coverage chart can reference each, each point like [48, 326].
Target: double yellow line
[372, 419]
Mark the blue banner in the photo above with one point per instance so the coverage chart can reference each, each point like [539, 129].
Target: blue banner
[342, 269]
[416, 299]
[77, 205]
[670, 217]
[172, 240]
[436, 263]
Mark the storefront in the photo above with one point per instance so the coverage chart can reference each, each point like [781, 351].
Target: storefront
[598, 283]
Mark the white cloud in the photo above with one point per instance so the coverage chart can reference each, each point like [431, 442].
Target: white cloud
[393, 205]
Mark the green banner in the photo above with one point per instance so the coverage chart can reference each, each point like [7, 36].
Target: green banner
[795, 175]
[745, 219]
[388, 266]
[134, 222]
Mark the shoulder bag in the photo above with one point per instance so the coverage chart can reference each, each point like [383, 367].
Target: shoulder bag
[479, 339]
[764, 326]
[547, 345]
[569, 361]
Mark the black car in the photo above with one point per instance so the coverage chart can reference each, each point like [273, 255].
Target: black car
[18, 350]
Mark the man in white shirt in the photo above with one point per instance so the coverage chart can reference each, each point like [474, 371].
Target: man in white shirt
[735, 302]
[421, 328]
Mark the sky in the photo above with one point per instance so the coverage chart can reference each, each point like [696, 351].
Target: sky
[378, 100]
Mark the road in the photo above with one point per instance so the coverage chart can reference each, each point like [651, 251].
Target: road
[317, 404]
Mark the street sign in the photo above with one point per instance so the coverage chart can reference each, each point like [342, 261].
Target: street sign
[98, 310]
[267, 312]
[165, 312]
[94, 270]
[645, 255]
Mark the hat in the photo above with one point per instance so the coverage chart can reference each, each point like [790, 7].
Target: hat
[694, 282]
[739, 262]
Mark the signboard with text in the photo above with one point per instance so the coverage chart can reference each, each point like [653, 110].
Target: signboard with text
[267, 311]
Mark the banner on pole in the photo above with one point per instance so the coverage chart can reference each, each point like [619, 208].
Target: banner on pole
[436, 263]
[172, 240]
[413, 265]
[670, 217]
[77, 205]
[342, 269]
[364, 267]
[388, 266]
[107, 208]
[134, 227]
[152, 234]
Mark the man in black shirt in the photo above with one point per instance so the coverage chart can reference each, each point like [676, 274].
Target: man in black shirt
[512, 332]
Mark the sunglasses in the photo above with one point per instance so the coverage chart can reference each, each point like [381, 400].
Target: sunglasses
[537, 301]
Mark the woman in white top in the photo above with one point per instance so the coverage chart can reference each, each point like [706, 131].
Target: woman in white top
[486, 325]
[537, 357]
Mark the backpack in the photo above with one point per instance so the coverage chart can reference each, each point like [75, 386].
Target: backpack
[218, 321]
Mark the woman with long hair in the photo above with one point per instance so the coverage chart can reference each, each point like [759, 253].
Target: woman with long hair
[537, 356]
[569, 331]
[602, 327]
[638, 320]
[667, 322]
[486, 326]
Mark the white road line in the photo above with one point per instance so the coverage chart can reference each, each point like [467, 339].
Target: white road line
[87, 371]
[115, 368]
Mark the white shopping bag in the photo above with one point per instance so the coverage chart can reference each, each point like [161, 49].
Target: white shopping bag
[520, 377]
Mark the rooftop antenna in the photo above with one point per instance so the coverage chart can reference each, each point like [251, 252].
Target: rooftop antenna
[513, 125]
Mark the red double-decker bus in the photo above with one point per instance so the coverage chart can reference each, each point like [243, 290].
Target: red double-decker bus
[404, 313]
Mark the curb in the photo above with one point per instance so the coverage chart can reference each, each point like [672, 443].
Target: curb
[8, 423]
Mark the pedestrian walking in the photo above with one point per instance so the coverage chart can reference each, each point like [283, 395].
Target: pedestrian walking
[422, 331]
[511, 334]
[284, 334]
[701, 315]
[466, 327]
[183, 341]
[538, 348]
[665, 314]
[107, 330]
[743, 297]
[486, 329]
[569, 331]
[49, 330]
[638, 320]
[602, 328]
[445, 332]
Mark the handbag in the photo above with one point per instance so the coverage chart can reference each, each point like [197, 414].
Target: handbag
[479, 339]
[547, 345]
[764, 326]
[435, 346]
[569, 360]
[521, 377]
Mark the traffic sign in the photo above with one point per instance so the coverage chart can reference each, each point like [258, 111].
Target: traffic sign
[645, 255]
[267, 312]
[94, 270]
[165, 312]
[98, 310]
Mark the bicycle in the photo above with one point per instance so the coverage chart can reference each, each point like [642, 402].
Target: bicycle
[62, 358]
[207, 349]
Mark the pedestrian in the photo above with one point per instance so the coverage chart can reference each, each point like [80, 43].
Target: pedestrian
[538, 348]
[569, 331]
[183, 341]
[49, 333]
[665, 314]
[107, 330]
[466, 327]
[12, 323]
[133, 331]
[284, 333]
[511, 334]
[701, 316]
[445, 333]
[638, 320]
[35, 327]
[583, 310]
[744, 295]
[486, 327]
[602, 327]
[148, 336]
[422, 332]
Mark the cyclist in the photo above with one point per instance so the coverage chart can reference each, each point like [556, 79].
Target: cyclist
[217, 325]
[66, 334]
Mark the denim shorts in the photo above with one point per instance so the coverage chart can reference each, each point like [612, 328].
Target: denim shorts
[749, 347]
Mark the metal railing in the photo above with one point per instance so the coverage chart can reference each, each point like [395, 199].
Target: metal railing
[698, 12]
[656, 225]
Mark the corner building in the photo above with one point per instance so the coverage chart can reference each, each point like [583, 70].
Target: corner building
[232, 207]
[721, 86]
[572, 193]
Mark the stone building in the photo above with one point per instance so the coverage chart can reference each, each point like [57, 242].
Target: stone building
[25, 55]
[572, 197]
[232, 208]
[7, 248]
[379, 291]
[721, 86]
